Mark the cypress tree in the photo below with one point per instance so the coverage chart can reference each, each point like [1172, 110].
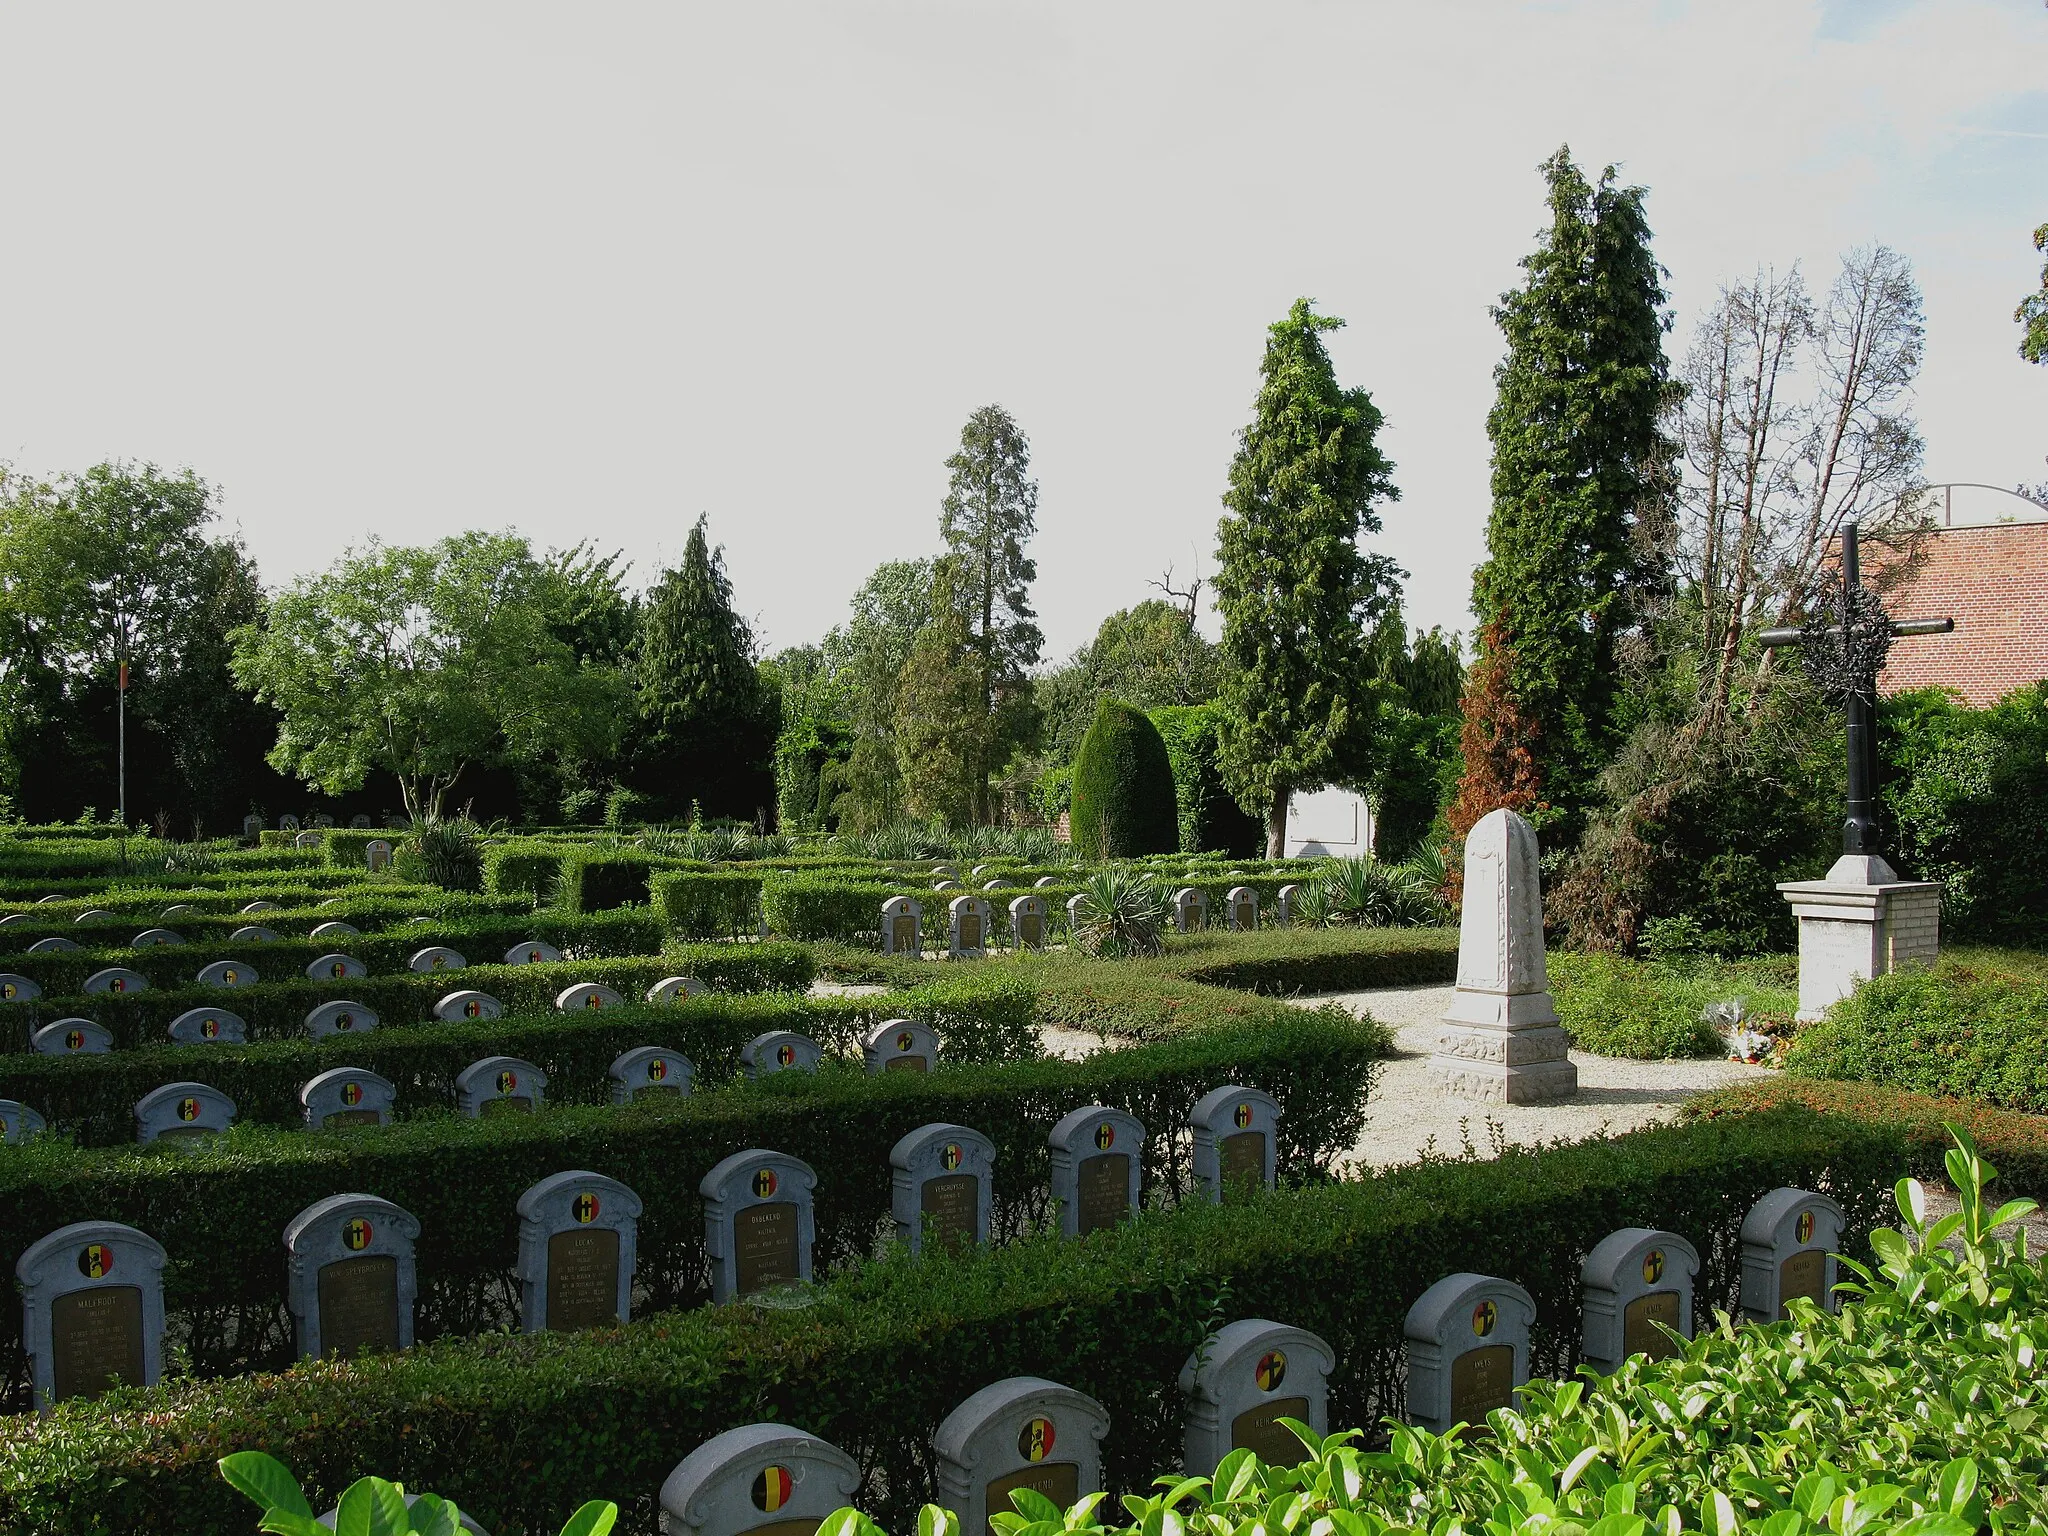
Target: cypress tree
[1124, 804]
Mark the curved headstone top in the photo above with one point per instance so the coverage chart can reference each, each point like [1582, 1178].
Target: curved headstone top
[259, 906]
[335, 929]
[674, 988]
[757, 1475]
[208, 1026]
[253, 933]
[149, 938]
[532, 952]
[437, 957]
[468, 1004]
[336, 967]
[227, 973]
[114, 979]
[55, 944]
[73, 1037]
[19, 1123]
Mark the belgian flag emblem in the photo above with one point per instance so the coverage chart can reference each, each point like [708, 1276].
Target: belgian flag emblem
[351, 1093]
[1034, 1442]
[765, 1183]
[7, 990]
[584, 1207]
[1105, 1136]
[209, 1028]
[949, 1156]
[118, 984]
[1271, 1370]
[1653, 1266]
[95, 1261]
[75, 1040]
[440, 959]
[1802, 1229]
[507, 1081]
[785, 1055]
[337, 970]
[533, 957]
[231, 976]
[1242, 1115]
[593, 999]
[473, 1009]
[1484, 1316]
[657, 1069]
[188, 1109]
[356, 1233]
[344, 1021]
[772, 1489]
[905, 1040]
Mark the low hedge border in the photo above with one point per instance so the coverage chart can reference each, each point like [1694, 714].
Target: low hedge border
[519, 1428]
[715, 904]
[219, 1207]
[145, 904]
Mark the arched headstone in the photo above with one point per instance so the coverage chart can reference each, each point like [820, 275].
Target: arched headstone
[780, 1050]
[377, 853]
[19, 989]
[1633, 1280]
[1095, 1168]
[19, 1123]
[55, 944]
[939, 1188]
[1043, 881]
[1789, 1240]
[757, 1222]
[759, 1480]
[351, 1283]
[182, 1112]
[73, 1037]
[1244, 1380]
[436, 957]
[576, 1252]
[335, 967]
[1284, 905]
[902, 918]
[900, 1045]
[93, 915]
[468, 1005]
[532, 952]
[328, 932]
[287, 823]
[228, 973]
[583, 996]
[259, 906]
[252, 825]
[1025, 1432]
[150, 938]
[1236, 1132]
[176, 909]
[359, 823]
[1468, 1350]
[499, 1085]
[1027, 921]
[92, 1310]
[1190, 909]
[1243, 905]
[253, 933]
[673, 989]
[650, 1071]
[340, 1017]
[967, 937]
[346, 1096]
[208, 1026]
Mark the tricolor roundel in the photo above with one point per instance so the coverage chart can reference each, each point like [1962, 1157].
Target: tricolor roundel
[344, 1021]
[95, 1261]
[74, 1040]
[1105, 1136]
[351, 1093]
[7, 990]
[231, 976]
[657, 1069]
[1653, 1266]
[1242, 1115]
[584, 1207]
[209, 1029]
[337, 970]
[1271, 1369]
[188, 1109]
[533, 957]
[507, 1081]
[1802, 1229]
[772, 1489]
[765, 1183]
[473, 1009]
[905, 1039]
[356, 1233]
[593, 999]
[949, 1156]
[784, 1055]
[118, 984]
[1484, 1316]
[1035, 1439]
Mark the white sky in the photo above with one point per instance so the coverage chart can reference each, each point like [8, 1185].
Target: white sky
[588, 270]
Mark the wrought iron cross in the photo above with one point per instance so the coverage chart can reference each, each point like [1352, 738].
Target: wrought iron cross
[1844, 658]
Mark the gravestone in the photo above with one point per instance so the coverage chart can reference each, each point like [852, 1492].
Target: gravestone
[576, 1253]
[1468, 1350]
[359, 823]
[19, 1123]
[1043, 881]
[377, 853]
[499, 1085]
[259, 906]
[1242, 902]
[1633, 1280]
[900, 1045]
[780, 1050]
[532, 952]
[254, 933]
[1076, 913]
[92, 1311]
[902, 917]
[1284, 904]
[307, 839]
[1236, 1135]
[1501, 1040]
[939, 1186]
[19, 989]
[208, 1026]
[345, 1096]
[182, 1112]
[758, 1480]
[95, 915]
[967, 938]
[350, 1276]
[997, 884]
[55, 944]
[1246, 1378]
[650, 1071]
[53, 896]
[1095, 1168]
[1027, 921]
[1025, 1432]
[227, 973]
[336, 967]
[287, 823]
[583, 996]
[175, 909]
[1190, 909]
[671, 989]
[436, 957]
[1789, 1240]
[340, 1017]
[115, 979]
[323, 821]
[326, 933]
[150, 938]
[980, 870]
[468, 1005]
[757, 1223]
[252, 826]
[73, 1037]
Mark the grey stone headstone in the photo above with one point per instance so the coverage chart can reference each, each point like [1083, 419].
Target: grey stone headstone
[94, 915]
[19, 1123]
[253, 933]
[19, 989]
[1095, 1168]
[335, 967]
[115, 979]
[1284, 904]
[251, 825]
[176, 909]
[1633, 1280]
[92, 1310]
[757, 1222]
[499, 1085]
[1468, 1350]
[583, 996]
[228, 973]
[979, 870]
[945, 871]
[1024, 1432]
[208, 1026]
[650, 1071]
[762, 1477]
[1236, 1136]
[340, 1017]
[351, 1283]
[73, 1037]
[671, 989]
[323, 821]
[259, 906]
[467, 1004]
[939, 1186]
[532, 952]
[900, 1045]
[377, 853]
[967, 937]
[182, 1112]
[1247, 1377]
[780, 1050]
[945, 885]
[436, 957]
[359, 823]
[415, 921]
[55, 944]
[287, 823]
[1789, 1239]
[307, 839]
[1044, 880]
[1242, 902]
[576, 1252]
[53, 896]
[328, 932]
[1190, 909]
[344, 1096]
[150, 938]
[902, 920]
[1027, 921]
[997, 884]
[1076, 912]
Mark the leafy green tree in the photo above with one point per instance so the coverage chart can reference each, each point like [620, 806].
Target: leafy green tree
[990, 513]
[424, 663]
[813, 737]
[1125, 803]
[862, 790]
[1582, 477]
[1415, 744]
[1298, 595]
[1150, 655]
[2033, 311]
[1211, 821]
[941, 730]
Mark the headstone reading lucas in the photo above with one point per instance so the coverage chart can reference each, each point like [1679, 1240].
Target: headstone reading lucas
[1243, 1381]
[901, 917]
[900, 1045]
[346, 1096]
[1789, 1239]
[757, 1222]
[499, 1085]
[758, 1480]
[1025, 1432]
[92, 1310]
[1468, 1350]
[1095, 1168]
[1235, 1131]
[940, 1181]
[576, 1252]
[650, 1072]
[351, 1283]
[1633, 1281]
[1501, 1040]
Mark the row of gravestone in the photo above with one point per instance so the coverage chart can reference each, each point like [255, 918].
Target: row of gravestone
[252, 824]
[176, 909]
[352, 1279]
[354, 1096]
[968, 928]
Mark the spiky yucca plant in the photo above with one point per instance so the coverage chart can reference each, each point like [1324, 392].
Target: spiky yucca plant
[1121, 912]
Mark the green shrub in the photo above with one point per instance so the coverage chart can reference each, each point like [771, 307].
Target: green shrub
[595, 881]
[1617, 1007]
[810, 907]
[1209, 818]
[1123, 797]
[348, 847]
[522, 867]
[519, 1428]
[717, 905]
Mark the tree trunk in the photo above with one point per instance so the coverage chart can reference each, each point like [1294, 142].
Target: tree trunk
[1276, 824]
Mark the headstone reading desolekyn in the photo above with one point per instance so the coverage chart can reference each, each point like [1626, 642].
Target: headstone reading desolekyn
[1244, 1380]
[939, 1189]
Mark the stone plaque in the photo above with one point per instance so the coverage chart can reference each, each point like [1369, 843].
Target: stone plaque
[1803, 1274]
[577, 1237]
[1634, 1279]
[970, 930]
[903, 934]
[1243, 1157]
[1468, 1349]
[1095, 1168]
[359, 1305]
[1244, 1379]
[1482, 1380]
[96, 1341]
[345, 1096]
[1260, 1431]
[1025, 1432]
[1031, 930]
[1190, 909]
[949, 1210]
[757, 1222]
[764, 1246]
[1059, 1481]
[759, 1480]
[1789, 1240]
[1234, 1141]
[1243, 903]
[1639, 1335]
[349, 1264]
[583, 1279]
[940, 1185]
[1103, 1185]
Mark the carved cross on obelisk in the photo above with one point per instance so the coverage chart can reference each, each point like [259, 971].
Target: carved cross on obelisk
[1844, 658]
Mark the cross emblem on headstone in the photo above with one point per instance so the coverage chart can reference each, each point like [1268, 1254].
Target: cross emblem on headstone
[1844, 658]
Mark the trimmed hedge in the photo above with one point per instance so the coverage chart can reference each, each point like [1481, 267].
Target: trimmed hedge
[524, 868]
[597, 881]
[1290, 961]
[519, 1428]
[809, 908]
[719, 904]
[1124, 799]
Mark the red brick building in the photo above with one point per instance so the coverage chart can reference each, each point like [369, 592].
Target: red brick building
[1992, 579]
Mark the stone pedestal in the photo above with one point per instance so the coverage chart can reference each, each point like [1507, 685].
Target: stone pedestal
[1861, 921]
[1501, 1040]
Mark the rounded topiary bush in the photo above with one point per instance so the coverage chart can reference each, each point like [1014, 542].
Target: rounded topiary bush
[1123, 802]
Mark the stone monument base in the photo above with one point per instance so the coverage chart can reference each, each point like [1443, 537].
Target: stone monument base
[1861, 921]
[1504, 1066]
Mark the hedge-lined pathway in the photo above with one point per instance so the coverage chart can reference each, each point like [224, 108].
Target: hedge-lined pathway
[1407, 1111]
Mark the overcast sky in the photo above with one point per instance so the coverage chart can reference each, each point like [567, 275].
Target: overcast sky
[589, 270]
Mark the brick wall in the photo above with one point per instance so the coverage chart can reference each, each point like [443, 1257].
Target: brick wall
[1912, 928]
[1993, 581]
